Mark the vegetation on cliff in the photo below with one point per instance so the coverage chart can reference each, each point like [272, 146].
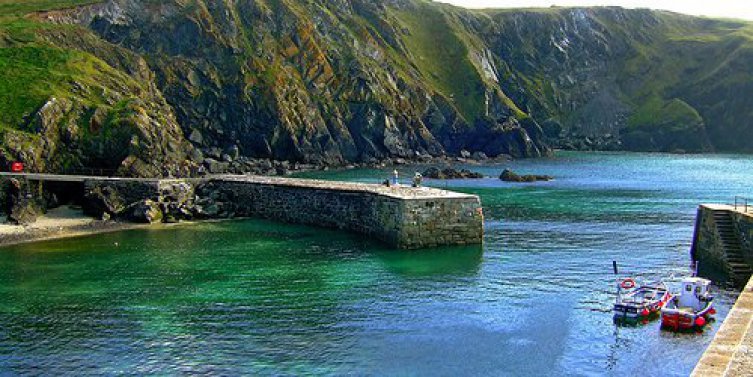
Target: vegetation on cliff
[156, 88]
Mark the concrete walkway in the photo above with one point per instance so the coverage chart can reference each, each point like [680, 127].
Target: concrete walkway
[731, 351]
[400, 191]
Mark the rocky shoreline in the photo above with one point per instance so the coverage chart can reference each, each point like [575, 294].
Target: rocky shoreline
[244, 165]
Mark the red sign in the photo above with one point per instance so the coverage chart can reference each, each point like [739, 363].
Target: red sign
[17, 167]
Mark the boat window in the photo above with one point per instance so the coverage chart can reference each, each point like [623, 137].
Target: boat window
[697, 289]
[689, 288]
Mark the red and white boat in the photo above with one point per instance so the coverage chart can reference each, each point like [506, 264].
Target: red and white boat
[639, 302]
[692, 308]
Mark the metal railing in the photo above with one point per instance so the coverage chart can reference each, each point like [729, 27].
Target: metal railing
[743, 204]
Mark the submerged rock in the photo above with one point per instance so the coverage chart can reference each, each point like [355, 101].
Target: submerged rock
[509, 176]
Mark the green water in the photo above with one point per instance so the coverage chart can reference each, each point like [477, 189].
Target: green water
[261, 298]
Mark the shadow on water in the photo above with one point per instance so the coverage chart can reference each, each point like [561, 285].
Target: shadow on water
[437, 262]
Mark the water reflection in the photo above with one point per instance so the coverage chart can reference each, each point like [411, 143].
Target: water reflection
[443, 262]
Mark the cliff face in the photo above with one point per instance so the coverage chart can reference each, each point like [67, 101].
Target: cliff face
[157, 87]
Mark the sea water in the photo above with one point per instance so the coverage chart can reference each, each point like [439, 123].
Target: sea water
[263, 298]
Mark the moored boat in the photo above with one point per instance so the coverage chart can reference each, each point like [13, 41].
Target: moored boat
[692, 308]
[639, 302]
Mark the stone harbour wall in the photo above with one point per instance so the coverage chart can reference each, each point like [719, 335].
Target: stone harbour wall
[730, 354]
[434, 222]
[707, 247]
[709, 250]
[401, 217]
[401, 222]
[744, 226]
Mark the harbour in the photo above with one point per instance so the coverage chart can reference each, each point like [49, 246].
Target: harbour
[248, 289]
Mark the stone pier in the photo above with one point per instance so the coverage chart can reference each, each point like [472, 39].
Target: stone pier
[730, 354]
[401, 217]
[723, 248]
[722, 243]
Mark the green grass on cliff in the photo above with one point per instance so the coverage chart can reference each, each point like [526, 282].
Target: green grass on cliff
[442, 58]
[30, 73]
[19, 8]
[33, 71]
[694, 62]
[672, 115]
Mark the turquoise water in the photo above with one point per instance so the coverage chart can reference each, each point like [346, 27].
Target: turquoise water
[256, 297]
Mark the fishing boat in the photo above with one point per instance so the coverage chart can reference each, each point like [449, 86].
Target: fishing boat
[692, 308]
[639, 302]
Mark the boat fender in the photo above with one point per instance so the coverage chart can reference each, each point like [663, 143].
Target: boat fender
[712, 311]
[645, 312]
[628, 283]
[700, 321]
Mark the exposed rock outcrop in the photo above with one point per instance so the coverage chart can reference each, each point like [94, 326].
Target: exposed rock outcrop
[146, 211]
[450, 173]
[509, 176]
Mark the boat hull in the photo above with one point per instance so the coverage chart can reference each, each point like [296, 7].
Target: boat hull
[673, 319]
[624, 310]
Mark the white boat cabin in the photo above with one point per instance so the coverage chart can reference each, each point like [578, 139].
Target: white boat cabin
[693, 294]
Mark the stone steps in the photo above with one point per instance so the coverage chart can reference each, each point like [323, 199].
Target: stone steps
[738, 268]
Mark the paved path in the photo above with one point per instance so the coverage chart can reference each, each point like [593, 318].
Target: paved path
[731, 351]
[401, 191]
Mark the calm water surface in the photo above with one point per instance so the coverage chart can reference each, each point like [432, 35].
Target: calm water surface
[256, 297]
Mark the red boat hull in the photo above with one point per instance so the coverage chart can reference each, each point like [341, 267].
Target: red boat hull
[678, 321]
[685, 321]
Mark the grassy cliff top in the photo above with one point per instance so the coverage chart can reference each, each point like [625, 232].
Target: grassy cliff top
[19, 8]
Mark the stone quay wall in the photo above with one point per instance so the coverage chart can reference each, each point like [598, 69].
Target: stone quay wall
[731, 351]
[708, 247]
[730, 354]
[401, 217]
[405, 218]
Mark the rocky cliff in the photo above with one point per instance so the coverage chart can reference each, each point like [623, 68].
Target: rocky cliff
[162, 87]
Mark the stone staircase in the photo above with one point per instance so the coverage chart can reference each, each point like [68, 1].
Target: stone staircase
[739, 270]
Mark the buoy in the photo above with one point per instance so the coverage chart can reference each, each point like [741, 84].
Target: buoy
[712, 311]
[628, 284]
[645, 312]
[700, 321]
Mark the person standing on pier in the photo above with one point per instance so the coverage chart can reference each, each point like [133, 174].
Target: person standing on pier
[395, 177]
[417, 179]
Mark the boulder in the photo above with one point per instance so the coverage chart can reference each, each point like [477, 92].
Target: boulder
[450, 173]
[509, 176]
[208, 211]
[101, 200]
[146, 211]
[479, 156]
[25, 211]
